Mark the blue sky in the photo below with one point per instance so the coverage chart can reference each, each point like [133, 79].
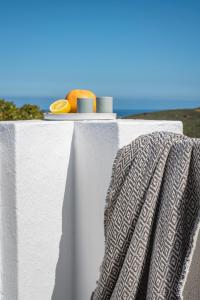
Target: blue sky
[131, 49]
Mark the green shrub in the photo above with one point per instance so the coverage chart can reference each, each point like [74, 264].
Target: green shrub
[9, 111]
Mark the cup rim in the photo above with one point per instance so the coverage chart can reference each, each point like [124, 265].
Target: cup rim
[84, 98]
[104, 98]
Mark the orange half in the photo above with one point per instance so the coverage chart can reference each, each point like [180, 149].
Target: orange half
[74, 94]
[60, 106]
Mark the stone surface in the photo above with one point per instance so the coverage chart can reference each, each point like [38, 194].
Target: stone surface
[53, 182]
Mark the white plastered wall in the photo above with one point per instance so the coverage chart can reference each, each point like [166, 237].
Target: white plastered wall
[53, 182]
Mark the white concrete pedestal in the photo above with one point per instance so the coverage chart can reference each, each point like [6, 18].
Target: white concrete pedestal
[53, 182]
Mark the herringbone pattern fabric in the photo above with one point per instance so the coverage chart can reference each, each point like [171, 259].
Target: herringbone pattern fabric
[151, 216]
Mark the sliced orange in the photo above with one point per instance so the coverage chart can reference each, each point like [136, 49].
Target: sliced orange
[74, 94]
[60, 106]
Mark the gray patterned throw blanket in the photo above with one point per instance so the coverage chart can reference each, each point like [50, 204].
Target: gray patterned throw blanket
[151, 219]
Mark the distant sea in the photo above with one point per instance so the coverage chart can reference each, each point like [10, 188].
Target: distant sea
[126, 112]
[122, 107]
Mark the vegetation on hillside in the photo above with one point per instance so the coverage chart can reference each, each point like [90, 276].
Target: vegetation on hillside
[9, 111]
[189, 117]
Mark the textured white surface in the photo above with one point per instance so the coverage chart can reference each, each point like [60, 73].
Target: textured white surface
[53, 182]
[34, 164]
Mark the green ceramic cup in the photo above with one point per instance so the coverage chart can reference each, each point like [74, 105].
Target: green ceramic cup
[85, 105]
[104, 104]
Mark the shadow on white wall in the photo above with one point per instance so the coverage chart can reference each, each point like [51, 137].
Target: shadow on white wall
[82, 242]
[64, 279]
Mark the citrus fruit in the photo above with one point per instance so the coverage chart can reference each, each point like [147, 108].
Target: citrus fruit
[60, 106]
[74, 94]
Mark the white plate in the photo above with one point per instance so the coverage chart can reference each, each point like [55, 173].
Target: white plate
[79, 116]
